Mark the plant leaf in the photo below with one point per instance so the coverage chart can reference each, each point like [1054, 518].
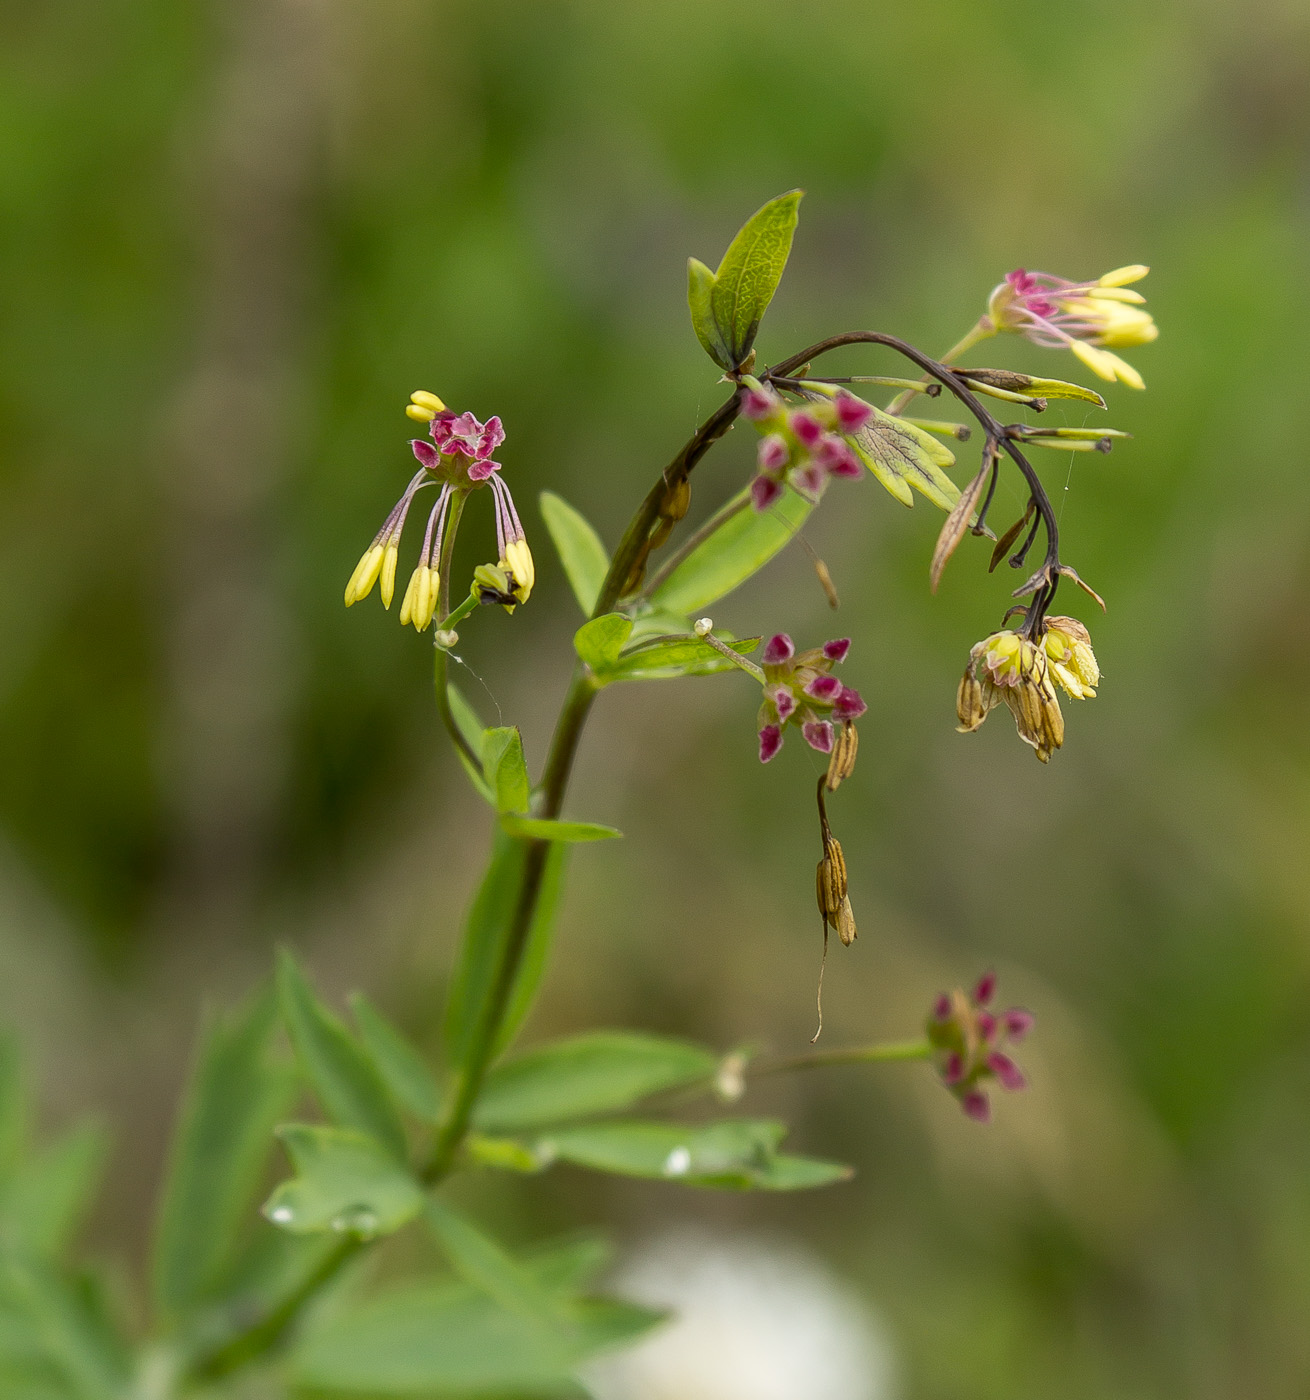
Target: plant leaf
[666, 658]
[700, 295]
[344, 1182]
[957, 522]
[1071, 573]
[599, 641]
[220, 1146]
[581, 552]
[347, 1085]
[401, 1067]
[43, 1201]
[749, 274]
[505, 769]
[470, 726]
[548, 829]
[738, 549]
[586, 1075]
[536, 951]
[901, 455]
[1009, 537]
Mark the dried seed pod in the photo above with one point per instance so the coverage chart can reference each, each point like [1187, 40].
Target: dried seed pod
[970, 705]
[841, 762]
[846, 922]
[826, 583]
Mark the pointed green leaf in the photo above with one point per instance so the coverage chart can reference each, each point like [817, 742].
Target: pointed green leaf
[586, 1075]
[14, 1107]
[505, 769]
[700, 293]
[547, 829]
[599, 641]
[749, 274]
[400, 1065]
[580, 549]
[42, 1203]
[220, 1147]
[344, 1182]
[470, 726]
[536, 951]
[666, 658]
[737, 550]
[898, 453]
[349, 1088]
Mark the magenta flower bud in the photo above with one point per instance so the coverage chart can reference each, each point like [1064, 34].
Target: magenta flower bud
[773, 452]
[810, 481]
[426, 453]
[975, 1106]
[764, 491]
[806, 427]
[941, 1010]
[847, 465]
[824, 688]
[986, 1025]
[1005, 1069]
[849, 704]
[1018, 1022]
[783, 701]
[836, 650]
[757, 404]
[852, 413]
[777, 649]
[818, 735]
[985, 989]
[770, 742]
[953, 1070]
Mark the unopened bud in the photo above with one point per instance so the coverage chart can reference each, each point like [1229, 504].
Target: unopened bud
[846, 922]
[830, 880]
[730, 1077]
[970, 707]
[704, 626]
[841, 762]
[445, 637]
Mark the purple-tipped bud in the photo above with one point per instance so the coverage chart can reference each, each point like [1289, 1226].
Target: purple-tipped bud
[985, 990]
[783, 701]
[953, 1069]
[1018, 1022]
[836, 650]
[810, 481]
[807, 428]
[824, 688]
[770, 742]
[773, 452]
[975, 1106]
[426, 453]
[1005, 1069]
[764, 491]
[849, 704]
[835, 458]
[757, 404]
[818, 735]
[986, 1025]
[852, 413]
[778, 649]
[941, 1010]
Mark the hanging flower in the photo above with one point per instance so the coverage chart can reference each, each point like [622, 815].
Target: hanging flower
[970, 1045]
[1007, 668]
[800, 690]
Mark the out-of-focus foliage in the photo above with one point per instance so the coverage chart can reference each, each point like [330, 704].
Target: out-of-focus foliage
[237, 236]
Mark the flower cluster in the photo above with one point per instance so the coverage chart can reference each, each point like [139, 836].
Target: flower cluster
[457, 460]
[969, 1045]
[800, 689]
[802, 447]
[1085, 317]
[1008, 668]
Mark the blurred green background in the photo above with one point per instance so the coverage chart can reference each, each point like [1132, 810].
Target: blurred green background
[236, 235]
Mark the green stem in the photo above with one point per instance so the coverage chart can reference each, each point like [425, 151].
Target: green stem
[441, 661]
[883, 1053]
[725, 512]
[980, 331]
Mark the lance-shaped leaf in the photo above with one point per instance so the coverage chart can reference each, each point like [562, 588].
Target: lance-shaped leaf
[957, 522]
[1069, 572]
[735, 551]
[1007, 384]
[43, 1202]
[739, 1154]
[599, 641]
[402, 1068]
[586, 1075]
[1009, 537]
[901, 455]
[550, 829]
[470, 726]
[505, 770]
[580, 549]
[748, 276]
[664, 658]
[350, 1089]
[700, 294]
[344, 1182]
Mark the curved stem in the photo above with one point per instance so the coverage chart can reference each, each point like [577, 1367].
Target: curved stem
[980, 330]
[882, 1053]
[441, 663]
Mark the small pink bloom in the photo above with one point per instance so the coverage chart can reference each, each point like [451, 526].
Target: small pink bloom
[986, 1025]
[764, 491]
[778, 649]
[810, 481]
[941, 1008]
[975, 1106]
[773, 452]
[834, 457]
[1005, 1069]
[770, 742]
[852, 413]
[1018, 1022]
[824, 688]
[818, 735]
[986, 989]
[807, 428]
[836, 650]
[849, 704]
[758, 403]
[783, 701]
[953, 1070]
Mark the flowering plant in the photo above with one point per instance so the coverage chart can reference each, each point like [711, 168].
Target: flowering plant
[244, 1301]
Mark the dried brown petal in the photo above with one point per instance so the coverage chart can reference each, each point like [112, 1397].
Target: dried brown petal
[841, 762]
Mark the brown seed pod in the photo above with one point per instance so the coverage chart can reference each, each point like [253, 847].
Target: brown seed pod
[841, 762]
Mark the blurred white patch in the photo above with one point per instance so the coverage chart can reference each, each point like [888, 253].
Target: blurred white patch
[756, 1319]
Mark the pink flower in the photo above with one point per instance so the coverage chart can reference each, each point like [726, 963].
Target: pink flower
[800, 690]
[969, 1045]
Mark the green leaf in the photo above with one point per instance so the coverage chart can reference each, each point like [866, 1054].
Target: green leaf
[700, 295]
[532, 965]
[349, 1088]
[738, 1154]
[505, 769]
[220, 1147]
[402, 1068]
[599, 641]
[738, 549]
[42, 1203]
[666, 658]
[749, 274]
[580, 549]
[344, 1182]
[547, 829]
[901, 455]
[585, 1075]
[470, 726]
[13, 1106]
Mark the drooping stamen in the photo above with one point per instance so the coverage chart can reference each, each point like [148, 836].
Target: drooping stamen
[394, 525]
[432, 553]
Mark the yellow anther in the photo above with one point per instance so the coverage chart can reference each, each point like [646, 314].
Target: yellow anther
[407, 603]
[419, 415]
[389, 557]
[365, 575]
[423, 399]
[1121, 276]
[518, 558]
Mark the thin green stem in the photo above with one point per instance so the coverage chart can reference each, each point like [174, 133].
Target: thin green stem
[884, 1053]
[980, 331]
[725, 512]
